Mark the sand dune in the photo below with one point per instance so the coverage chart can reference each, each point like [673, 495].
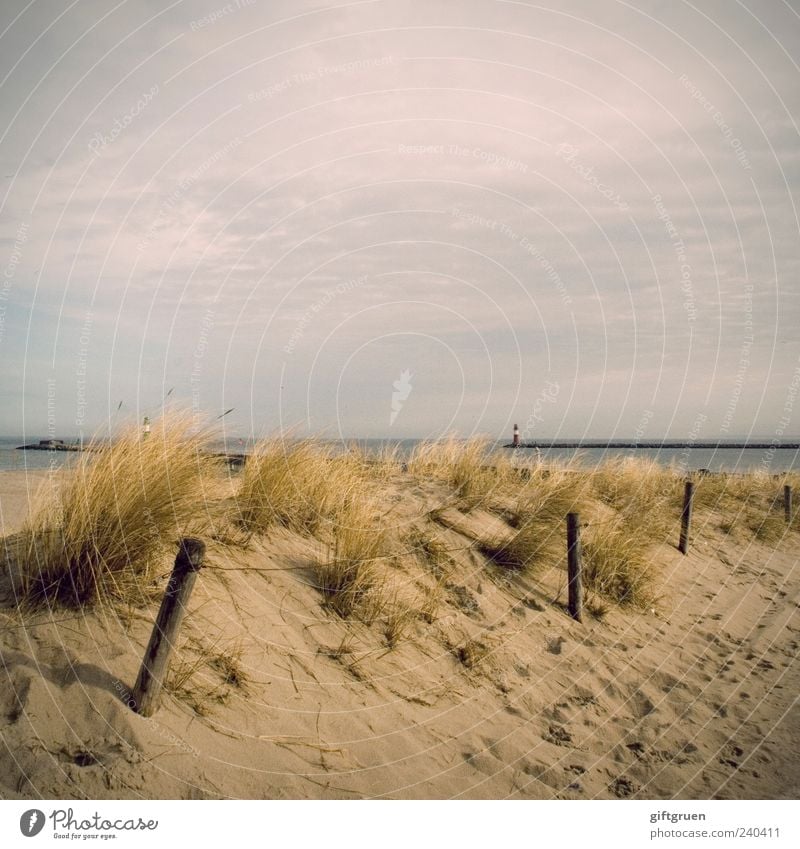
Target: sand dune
[501, 695]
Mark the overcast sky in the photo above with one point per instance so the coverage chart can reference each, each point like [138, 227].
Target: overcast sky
[388, 218]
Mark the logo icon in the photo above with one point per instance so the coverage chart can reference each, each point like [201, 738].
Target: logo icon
[31, 822]
[402, 389]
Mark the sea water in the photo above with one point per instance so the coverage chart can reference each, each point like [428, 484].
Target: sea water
[720, 459]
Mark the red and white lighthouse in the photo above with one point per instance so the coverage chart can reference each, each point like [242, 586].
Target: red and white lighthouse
[515, 440]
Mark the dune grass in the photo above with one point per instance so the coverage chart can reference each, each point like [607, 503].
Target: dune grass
[104, 528]
[645, 494]
[110, 520]
[295, 484]
[474, 471]
[206, 676]
[750, 505]
[538, 517]
[617, 564]
[349, 573]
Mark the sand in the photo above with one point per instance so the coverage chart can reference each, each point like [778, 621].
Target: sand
[17, 493]
[694, 699]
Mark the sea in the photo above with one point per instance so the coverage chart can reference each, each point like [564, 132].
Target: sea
[718, 459]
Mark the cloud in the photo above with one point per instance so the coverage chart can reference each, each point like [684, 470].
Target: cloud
[575, 192]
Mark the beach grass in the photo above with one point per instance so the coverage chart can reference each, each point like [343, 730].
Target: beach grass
[104, 526]
[475, 471]
[109, 521]
[537, 516]
[348, 575]
[286, 483]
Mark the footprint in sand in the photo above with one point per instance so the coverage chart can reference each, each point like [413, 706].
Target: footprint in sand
[623, 787]
[103, 753]
[14, 697]
[482, 762]
[558, 735]
[642, 706]
[732, 755]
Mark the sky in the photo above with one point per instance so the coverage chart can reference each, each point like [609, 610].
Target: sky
[389, 218]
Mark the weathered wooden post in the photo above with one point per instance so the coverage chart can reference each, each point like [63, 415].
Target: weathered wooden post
[144, 699]
[787, 502]
[686, 517]
[575, 585]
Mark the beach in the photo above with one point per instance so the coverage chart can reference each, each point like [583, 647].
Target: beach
[496, 693]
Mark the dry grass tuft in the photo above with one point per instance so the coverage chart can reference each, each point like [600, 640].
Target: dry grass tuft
[472, 653]
[398, 618]
[476, 472]
[616, 564]
[538, 516]
[294, 484]
[350, 572]
[229, 666]
[203, 676]
[725, 492]
[646, 495]
[105, 527]
[432, 601]
[431, 550]
[769, 525]
[751, 504]
[597, 609]
[380, 465]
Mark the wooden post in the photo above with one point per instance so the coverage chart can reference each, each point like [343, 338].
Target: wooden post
[144, 699]
[787, 503]
[686, 517]
[575, 603]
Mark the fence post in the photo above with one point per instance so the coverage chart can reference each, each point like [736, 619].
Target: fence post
[787, 502]
[144, 699]
[686, 517]
[575, 586]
